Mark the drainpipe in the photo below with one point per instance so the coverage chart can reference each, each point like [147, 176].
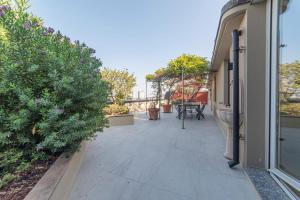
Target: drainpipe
[235, 124]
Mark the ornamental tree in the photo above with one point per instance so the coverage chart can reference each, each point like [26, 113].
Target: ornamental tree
[195, 69]
[120, 84]
[192, 65]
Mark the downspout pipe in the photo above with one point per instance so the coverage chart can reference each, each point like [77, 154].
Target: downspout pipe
[236, 95]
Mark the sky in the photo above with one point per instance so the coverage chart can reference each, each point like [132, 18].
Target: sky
[290, 34]
[138, 35]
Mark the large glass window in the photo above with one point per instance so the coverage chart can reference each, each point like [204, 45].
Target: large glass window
[288, 103]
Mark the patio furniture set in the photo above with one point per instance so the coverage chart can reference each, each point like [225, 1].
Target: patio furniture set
[192, 109]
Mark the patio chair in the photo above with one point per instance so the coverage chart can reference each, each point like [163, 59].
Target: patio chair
[180, 113]
[190, 111]
[200, 112]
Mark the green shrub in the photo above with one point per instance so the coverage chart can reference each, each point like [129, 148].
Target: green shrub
[115, 109]
[6, 179]
[51, 94]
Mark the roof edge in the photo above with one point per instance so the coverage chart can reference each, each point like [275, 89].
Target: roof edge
[228, 6]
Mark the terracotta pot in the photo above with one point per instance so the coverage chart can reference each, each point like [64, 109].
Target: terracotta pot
[167, 108]
[153, 113]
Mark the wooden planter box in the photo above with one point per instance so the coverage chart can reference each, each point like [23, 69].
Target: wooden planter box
[121, 120]
[57, 183]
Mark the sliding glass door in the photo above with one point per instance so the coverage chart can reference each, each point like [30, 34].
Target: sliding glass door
[286, 97]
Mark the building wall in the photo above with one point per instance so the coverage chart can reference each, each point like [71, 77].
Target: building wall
[252, 85]
[219, 104]
[243, 66]
[220, 82]
[255, 86]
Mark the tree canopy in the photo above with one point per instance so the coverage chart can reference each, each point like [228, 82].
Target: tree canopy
[192, 65]
[195, 70]
[290, 79]
[120, 84]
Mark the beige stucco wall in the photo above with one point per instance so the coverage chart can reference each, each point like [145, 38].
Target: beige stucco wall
[255, 86]
[220, 82]
[242, 69]
[252, 84]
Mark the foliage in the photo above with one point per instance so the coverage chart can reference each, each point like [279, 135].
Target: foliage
[115, 109]
[120, 84]
[194, 67]
[153, 106]
[290, 109]
[6, 179]
[290, 80]
[12, 162]
[150, 77]
[51, 93]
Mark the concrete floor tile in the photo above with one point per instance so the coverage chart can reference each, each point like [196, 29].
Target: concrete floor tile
[157, 160]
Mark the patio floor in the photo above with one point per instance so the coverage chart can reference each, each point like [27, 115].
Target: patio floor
[157, 160]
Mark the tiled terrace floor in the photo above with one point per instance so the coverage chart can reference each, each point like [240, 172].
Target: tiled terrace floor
[157, 160]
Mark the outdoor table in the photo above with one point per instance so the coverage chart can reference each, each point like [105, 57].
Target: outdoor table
[190, 104]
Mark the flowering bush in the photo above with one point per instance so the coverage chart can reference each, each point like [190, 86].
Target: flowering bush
[51, 94]
[115, 109]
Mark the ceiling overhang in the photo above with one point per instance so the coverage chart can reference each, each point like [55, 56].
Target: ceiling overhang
[229, 21]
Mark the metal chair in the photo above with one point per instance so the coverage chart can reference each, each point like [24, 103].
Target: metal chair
[200, 112]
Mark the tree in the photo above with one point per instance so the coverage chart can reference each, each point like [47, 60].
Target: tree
[120, 84]
[195, 68]
[289, 80]
[192, 65]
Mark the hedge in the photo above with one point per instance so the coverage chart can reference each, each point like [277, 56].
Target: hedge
[52, 96]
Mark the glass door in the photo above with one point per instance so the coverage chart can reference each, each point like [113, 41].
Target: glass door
[286, 106]
[289, 88]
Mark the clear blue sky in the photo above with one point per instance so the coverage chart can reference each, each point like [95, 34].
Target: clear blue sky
[290, 34]
[140, 35]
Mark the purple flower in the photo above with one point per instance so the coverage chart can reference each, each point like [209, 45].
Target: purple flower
[50, 30]
[35, 24]
[45, 33]
[26, 26]
[93, 50]
[5, 8]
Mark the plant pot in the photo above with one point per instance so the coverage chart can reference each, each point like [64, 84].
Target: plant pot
[167, 108]
[153, 113]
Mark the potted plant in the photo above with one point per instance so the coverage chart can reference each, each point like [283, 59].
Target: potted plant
[153, 112]
[167, 106]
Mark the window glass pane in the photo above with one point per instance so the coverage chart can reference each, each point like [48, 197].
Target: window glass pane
[289, 88]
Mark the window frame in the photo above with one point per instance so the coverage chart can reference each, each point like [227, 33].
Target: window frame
[276, 173]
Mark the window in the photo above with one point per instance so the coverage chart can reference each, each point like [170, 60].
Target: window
[285, 98]
[226, 83]
[215, 88]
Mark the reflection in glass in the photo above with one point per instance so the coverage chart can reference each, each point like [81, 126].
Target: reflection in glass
[289, 88]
